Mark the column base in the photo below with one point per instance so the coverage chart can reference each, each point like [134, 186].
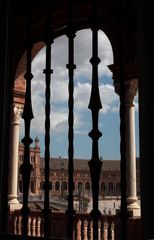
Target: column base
[132, 203]
[130, 212]
[133, 207]
[13, 203]
[134, 212]
[14, 206]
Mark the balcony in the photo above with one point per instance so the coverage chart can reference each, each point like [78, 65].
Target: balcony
[109, 226]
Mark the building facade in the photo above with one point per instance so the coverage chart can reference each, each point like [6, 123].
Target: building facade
[109, 179]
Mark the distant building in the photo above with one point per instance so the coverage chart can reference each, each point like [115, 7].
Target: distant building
[109, 179]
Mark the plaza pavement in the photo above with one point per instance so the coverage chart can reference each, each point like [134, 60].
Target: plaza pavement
[108, 206]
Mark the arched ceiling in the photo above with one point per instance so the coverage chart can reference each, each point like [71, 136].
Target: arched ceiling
[108, 16]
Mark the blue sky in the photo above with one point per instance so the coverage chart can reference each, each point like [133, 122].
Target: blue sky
[108, 116]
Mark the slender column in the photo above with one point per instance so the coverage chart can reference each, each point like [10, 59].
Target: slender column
[16, 111]
[130, 92]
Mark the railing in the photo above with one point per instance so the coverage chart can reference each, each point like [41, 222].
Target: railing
[108, 227]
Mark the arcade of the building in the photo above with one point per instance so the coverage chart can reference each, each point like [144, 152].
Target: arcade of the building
[109, 180]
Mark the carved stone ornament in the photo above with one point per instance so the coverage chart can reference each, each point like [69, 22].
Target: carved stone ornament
[16, 112]
[130, 90]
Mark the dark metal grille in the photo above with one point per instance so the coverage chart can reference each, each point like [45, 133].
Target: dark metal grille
[95, 105]
[122, 112]
[71, 66]
[47, 71]
[26, 167]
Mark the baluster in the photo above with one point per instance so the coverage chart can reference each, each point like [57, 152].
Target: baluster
[91, 230]
[95, 105]
[70, 66]
[85, 230]
[47, 71]
[78, 237]
[38, 227]
[109, 231]
[15, 225]
[112, 231]
[99, 230]
[34, 226]
[19, 225]
[29, 226]
[105, 230]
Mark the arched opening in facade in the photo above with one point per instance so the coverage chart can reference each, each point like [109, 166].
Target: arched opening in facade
[57, 184]
[60, 32]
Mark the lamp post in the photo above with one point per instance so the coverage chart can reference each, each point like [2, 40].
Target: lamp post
[62, 172]
[102, 191]
[80, 198]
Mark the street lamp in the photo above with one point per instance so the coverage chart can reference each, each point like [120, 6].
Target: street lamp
[80, 199]
[62, 172]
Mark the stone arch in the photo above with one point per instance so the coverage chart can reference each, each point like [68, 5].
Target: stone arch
[82, 20]
[87, 186]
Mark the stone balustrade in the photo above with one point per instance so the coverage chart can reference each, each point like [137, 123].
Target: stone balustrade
[109, 226]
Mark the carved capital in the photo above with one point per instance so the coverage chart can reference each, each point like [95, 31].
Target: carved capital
[130, 90]
[16, 112]
[130, 71]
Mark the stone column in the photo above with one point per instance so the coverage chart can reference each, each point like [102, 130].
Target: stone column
[130, 92]
[16, 111]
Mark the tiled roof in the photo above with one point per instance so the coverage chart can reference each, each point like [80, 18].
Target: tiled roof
[82, 164]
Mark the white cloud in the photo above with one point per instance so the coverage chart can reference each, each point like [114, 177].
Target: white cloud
[82, 95]
[83, 53]
[108, 97]
[59, 82]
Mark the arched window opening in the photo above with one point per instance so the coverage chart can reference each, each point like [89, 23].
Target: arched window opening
[32, 187]
[110, 186]
[42, 185]
[80, 186]
[50, 185]
[87, 186]
[118, 188]
[103, 187]
[64, 186]
[57, 186]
